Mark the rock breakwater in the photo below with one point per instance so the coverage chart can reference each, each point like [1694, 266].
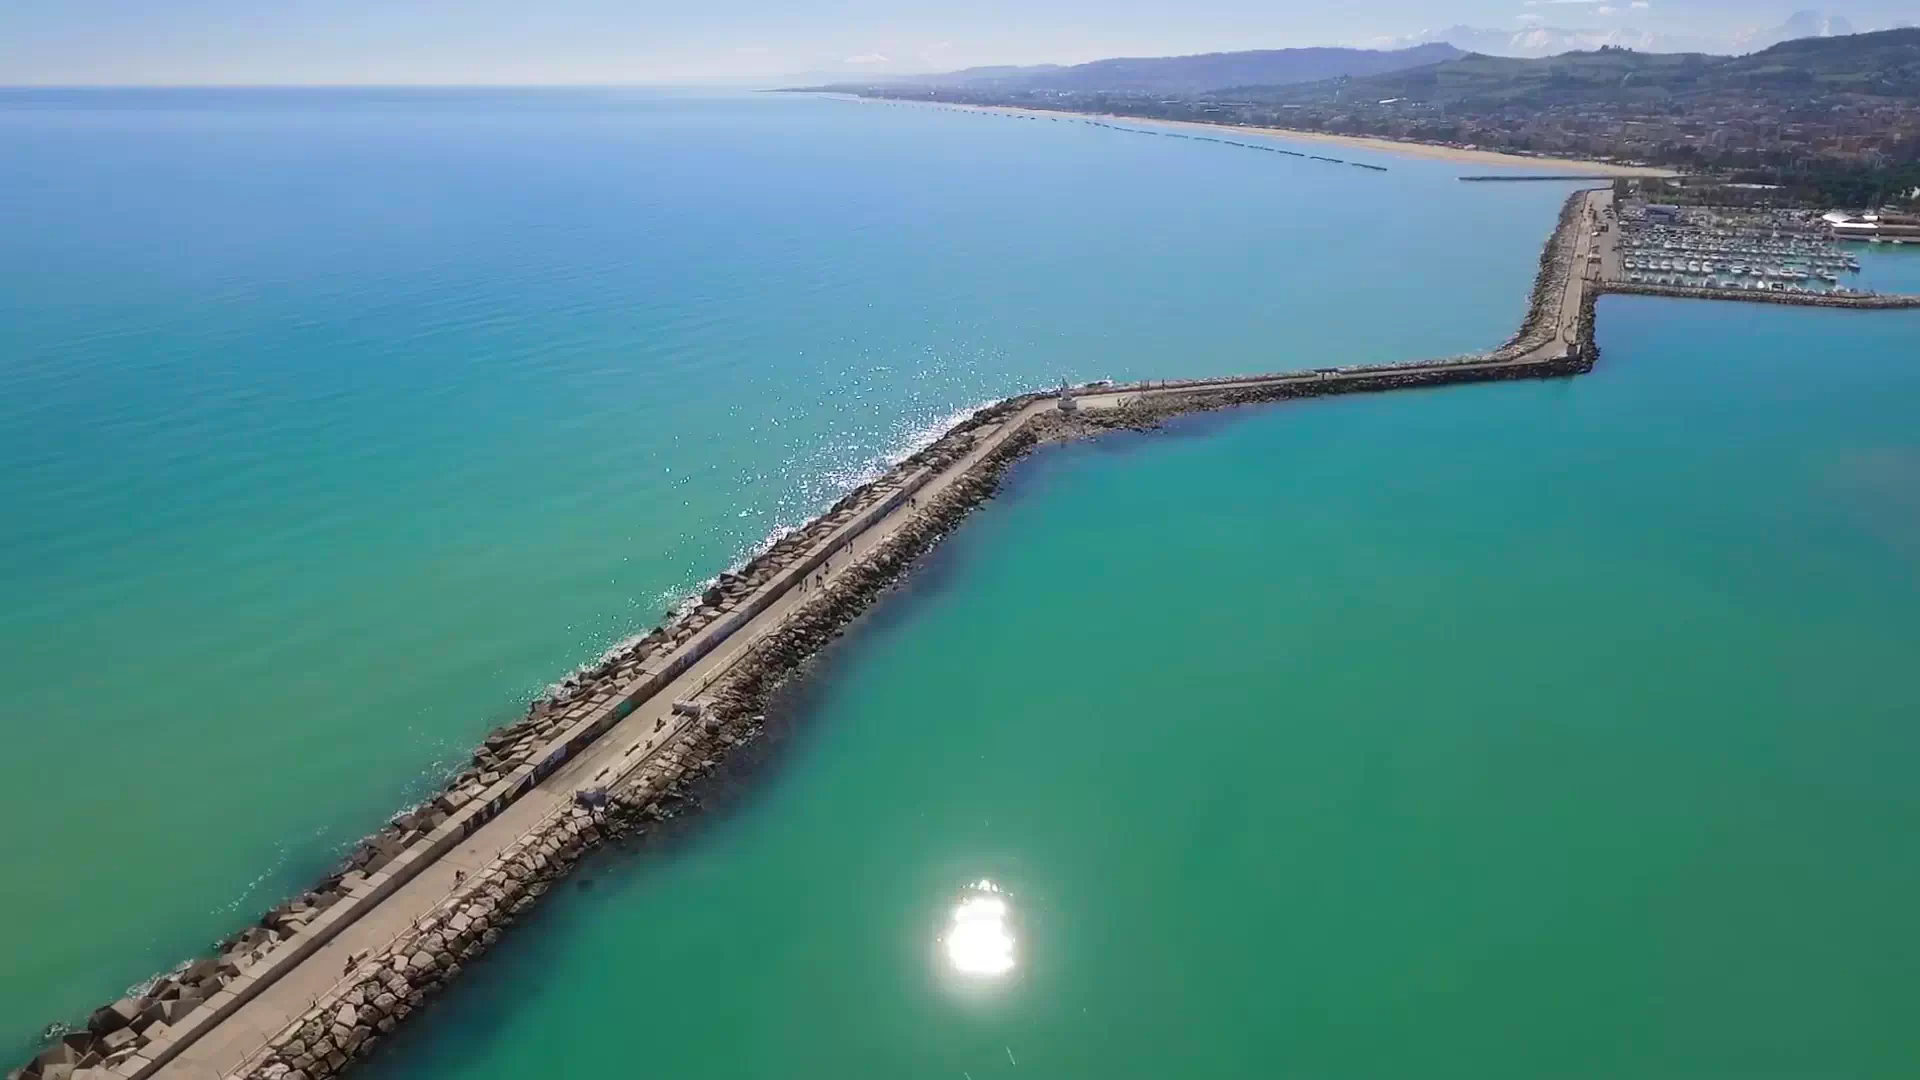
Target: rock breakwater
[1869, 301]
[132, 1037]
[389, 986]
[137, 1032]
[1540, 325]
[917, 502]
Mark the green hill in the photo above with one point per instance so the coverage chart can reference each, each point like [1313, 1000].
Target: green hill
[1883, 65]
[1174, 74]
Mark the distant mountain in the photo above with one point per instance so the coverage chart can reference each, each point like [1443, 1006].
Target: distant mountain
[1538, 41]
[1004, 74]
[1884, 64]
[1542, 41]
[1188, 74]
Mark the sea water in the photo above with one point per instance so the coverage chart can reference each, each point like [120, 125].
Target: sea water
[338, 423]
[1502, 731]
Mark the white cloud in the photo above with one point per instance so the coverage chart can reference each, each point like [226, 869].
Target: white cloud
[1641, 5]
[1605, 10]
[1557, 3]
[866, 58]
[753, 50]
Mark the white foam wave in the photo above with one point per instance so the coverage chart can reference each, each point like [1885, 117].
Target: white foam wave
[800, 507]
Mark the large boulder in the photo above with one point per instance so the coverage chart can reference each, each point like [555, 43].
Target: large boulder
[118, 1040]
[154, 1013]
[199, 970]
[81, 1041]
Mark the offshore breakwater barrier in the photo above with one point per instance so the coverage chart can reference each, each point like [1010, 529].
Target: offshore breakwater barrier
[618, 746]
[1166, 134]
[1541, 176]
[1868, 301]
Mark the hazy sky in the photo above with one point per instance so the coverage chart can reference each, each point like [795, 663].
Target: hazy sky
[649, 41]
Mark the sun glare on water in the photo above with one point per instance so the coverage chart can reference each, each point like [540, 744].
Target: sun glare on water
[978, 940]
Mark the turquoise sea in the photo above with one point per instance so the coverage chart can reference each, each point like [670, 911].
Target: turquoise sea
[1505, 729]
[1547, 729]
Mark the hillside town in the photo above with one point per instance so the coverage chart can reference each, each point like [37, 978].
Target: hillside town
[1845, 151]
[1837, 125]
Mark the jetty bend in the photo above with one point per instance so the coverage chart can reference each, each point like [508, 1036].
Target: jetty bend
[322, 978]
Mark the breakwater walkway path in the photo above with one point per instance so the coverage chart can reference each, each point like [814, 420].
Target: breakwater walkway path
[218, 1017]
[240, 1014]
[322, 979]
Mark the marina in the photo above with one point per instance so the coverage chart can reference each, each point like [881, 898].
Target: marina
[1723, 249]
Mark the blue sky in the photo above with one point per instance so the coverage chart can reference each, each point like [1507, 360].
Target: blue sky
[647, 41]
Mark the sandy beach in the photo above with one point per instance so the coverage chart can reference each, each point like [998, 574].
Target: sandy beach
[1462, 155]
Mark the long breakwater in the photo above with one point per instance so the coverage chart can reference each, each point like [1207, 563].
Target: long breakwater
[1867, 301]
[319, 980]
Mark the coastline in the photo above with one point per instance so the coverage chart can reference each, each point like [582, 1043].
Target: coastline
[1433, 151]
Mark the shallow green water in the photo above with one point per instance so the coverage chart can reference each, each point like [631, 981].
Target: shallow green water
[337, 423]
[1546, 729]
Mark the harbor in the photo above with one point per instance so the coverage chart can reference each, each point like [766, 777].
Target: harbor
[1720, 249]
[320, 979]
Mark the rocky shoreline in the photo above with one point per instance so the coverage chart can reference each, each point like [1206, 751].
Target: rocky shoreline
[386, 987]
[1539, 325]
